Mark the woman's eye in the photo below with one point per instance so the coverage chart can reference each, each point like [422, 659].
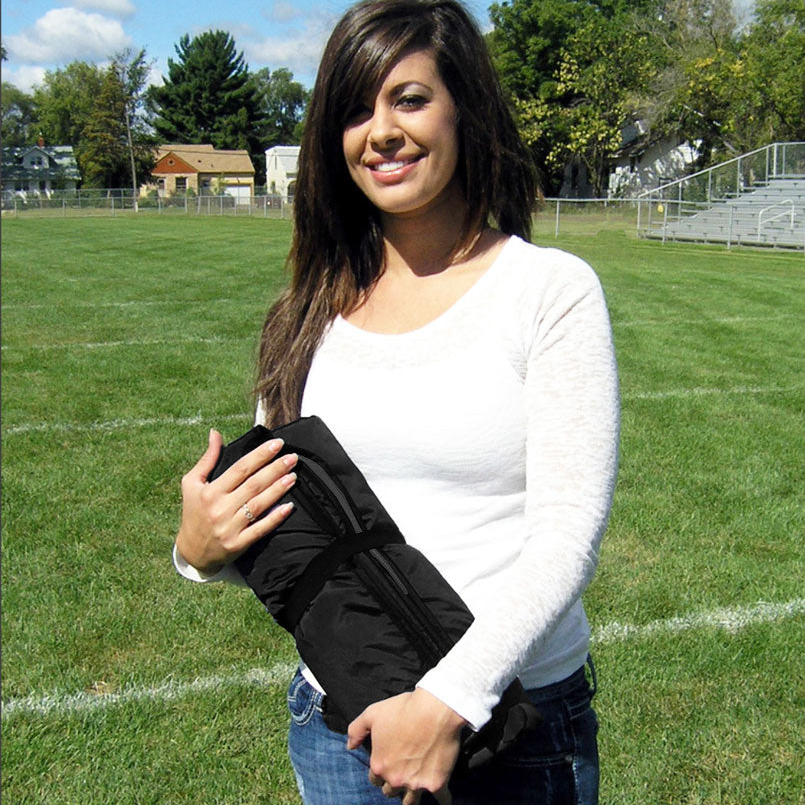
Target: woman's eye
[411, 102]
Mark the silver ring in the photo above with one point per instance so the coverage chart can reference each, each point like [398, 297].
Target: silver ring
[249, 516]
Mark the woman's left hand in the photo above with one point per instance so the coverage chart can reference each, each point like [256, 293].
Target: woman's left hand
[415, 743]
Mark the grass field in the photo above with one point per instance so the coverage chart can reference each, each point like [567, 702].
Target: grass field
[124, 340]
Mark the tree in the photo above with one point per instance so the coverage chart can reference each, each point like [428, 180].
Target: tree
[208, 96]
[552, 81]
[131, 72]
[115, 146]
[18, 116]
[282, 106]
[65, 100]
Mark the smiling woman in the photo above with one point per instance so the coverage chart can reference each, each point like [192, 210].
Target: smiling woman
[469, 375]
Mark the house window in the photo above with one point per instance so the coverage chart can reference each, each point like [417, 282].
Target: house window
[181, 183]
[43, 186]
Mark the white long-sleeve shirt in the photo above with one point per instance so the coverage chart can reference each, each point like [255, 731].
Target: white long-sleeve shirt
[490, 435]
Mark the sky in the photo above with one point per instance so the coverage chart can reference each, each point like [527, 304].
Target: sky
[42, 35]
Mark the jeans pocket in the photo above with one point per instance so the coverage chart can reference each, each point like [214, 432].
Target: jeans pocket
[303, 700]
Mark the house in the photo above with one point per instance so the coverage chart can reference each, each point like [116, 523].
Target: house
[204, 170]
[39, 169]
[644, 162]
[282, 165]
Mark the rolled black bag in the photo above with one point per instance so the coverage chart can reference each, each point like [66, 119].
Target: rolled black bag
[369, 613]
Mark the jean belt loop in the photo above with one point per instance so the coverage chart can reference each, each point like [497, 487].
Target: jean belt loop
[593, 677]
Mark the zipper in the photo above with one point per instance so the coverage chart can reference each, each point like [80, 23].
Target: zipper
[382, 577]
[326, 482]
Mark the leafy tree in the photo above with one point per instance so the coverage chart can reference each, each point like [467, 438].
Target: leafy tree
[543, 67]
[18, 116]
[773, 55]
[131, 71]
[208, 96]
[65, 100]
[282, 105]
[115, 146]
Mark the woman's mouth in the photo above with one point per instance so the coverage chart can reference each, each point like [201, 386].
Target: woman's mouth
[393, 170]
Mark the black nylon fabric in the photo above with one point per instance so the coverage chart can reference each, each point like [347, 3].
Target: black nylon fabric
[369, 613]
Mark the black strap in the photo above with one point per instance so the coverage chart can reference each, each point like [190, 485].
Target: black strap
[324, 565]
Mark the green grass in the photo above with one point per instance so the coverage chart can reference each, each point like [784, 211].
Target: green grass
[708, 514]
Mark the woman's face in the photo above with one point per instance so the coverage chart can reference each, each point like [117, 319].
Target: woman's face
[401, 147]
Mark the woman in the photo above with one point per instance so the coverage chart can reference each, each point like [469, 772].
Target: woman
[471, 377]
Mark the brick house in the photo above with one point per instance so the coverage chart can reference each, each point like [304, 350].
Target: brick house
[202, 169]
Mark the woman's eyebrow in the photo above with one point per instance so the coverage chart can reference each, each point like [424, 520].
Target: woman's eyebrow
[399, 89]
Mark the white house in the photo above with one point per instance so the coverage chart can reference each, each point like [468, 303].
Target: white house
[282, 164]
[39, 169]
[643, 163]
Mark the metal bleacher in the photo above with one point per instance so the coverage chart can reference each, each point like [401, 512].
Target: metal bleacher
[756, 199]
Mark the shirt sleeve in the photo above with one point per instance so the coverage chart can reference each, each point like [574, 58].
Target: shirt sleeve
[227, 573]
[571, 393]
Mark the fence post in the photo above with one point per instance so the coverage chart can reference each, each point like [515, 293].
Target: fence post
[556, 231]
[639, 208]
[664, 221]
[729, 232]
[185, 205]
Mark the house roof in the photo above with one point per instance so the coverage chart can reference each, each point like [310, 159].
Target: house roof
[287, 157]
[206, 159]
[60, 163]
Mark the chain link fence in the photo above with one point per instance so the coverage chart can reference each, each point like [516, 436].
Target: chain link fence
[121, 201]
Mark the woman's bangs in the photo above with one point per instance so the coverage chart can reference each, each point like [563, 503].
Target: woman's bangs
[367, 62]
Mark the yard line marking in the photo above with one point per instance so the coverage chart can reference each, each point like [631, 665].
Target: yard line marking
[168, 691]
[717, 320]
[131, 303]
[731, 619]
[118, 424]
[137, 342]
[701, 392]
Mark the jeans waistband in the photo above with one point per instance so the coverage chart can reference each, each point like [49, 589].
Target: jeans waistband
[570, 683]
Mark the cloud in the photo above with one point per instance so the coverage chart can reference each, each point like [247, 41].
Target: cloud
[298, 49]
[65, 34]
[117, 8]
[282, 11]
[25, 77]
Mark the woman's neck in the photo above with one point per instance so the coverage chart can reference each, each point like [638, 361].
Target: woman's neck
[425, 242]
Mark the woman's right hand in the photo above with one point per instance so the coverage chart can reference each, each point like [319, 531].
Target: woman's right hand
[215, 529]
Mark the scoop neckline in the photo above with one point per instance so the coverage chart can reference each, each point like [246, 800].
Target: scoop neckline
[445, 315]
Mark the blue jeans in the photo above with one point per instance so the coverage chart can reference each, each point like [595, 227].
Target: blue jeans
[555, 764]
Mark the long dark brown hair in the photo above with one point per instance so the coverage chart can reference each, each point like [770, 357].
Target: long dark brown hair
[337, 250]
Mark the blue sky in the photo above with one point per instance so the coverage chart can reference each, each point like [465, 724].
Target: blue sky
[44, 34]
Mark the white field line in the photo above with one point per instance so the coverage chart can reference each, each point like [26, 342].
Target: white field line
[730, 619]
[718, 320]
[132, 303]
[136, 342]
[119, 424]
[215, 339]
[703, 392]
[81, 702]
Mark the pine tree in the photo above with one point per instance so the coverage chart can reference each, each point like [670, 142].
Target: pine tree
[208, 96]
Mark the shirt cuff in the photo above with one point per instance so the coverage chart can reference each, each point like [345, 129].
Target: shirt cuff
[227, 573]
[474, 711]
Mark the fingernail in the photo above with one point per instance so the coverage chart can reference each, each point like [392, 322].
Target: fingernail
[275, 444]
[290, 459]
[289, 479]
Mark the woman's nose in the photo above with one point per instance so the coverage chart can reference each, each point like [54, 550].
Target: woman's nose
[384, 131]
